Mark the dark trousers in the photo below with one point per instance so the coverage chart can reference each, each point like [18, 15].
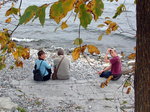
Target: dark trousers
[106, 74]
[47, 77]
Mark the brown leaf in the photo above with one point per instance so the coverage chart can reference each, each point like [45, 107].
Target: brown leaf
[19, 63]
[132, 56]
[128, 90]
[83, 48]
[8, 20]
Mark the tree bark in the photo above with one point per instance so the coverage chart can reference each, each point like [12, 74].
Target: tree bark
[142, 71]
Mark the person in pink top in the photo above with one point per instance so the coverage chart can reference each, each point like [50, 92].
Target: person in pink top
[115, 65]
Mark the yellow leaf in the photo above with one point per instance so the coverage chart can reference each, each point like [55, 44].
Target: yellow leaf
[64, 25]
[92, 49]
[108, 31]
[132, 56]
[107, 17]
[26, 53]
[112, 24]
[8, 20]
[100, 37]
[115, 28]
[15, 54]
[60, 9]
[100, 25]
[108, 22]
[76, 53]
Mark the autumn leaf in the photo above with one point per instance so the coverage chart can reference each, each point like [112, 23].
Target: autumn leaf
[76, 53]
[128, 90]
[115, 28]
[100, 37]
[26, 53]
[101, 25]
[92, 49]
[120, 9]
[64, 25]
[96, 8]
[102, 85]
[107, 17]
[2, 66]
[12, 10]
[78, 41]
[29, 13]
[108, 31]
[127, 83]
[84, 16]
[83, 48]
[132, 56]
[60, 9]
[107, 22]
[19, 63]
[8, 20]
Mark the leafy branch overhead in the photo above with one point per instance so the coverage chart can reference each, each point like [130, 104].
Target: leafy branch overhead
[7, 46]
[85, 9]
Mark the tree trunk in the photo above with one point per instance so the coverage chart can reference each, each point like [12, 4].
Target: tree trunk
[142, 72]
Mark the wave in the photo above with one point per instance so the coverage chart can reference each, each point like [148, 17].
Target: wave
[22, 40]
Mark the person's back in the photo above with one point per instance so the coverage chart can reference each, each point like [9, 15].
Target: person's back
[63, 72]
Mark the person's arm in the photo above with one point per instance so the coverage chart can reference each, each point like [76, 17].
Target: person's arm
[47, 65]
[105, 69]
[106, 56]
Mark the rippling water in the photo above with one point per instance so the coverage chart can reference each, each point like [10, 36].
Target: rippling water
[36, 36]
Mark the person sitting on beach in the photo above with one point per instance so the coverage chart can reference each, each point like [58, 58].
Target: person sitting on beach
[115, 65]
[43, 66]
[62, 65]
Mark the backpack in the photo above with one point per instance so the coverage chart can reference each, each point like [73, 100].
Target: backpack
[37, 75]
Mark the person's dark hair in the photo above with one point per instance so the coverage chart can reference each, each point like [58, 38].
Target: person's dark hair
[60, 52]
[41, 52]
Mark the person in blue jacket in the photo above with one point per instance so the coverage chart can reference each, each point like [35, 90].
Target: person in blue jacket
[43, 66]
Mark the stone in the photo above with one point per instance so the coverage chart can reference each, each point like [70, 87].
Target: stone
[7, 104]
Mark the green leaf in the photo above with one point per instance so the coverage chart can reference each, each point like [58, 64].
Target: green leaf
[2, 66]
[98, 8]
[100, 37]
[29, 13]
[120, 9]
[60, 9]
[84, 16]
[41, 13]
[78, 41]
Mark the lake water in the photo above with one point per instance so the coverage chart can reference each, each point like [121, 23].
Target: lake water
[36, 36]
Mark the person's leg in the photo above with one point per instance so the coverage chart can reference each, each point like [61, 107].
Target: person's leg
[116, 77]
[106, 74]
[47, 77]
